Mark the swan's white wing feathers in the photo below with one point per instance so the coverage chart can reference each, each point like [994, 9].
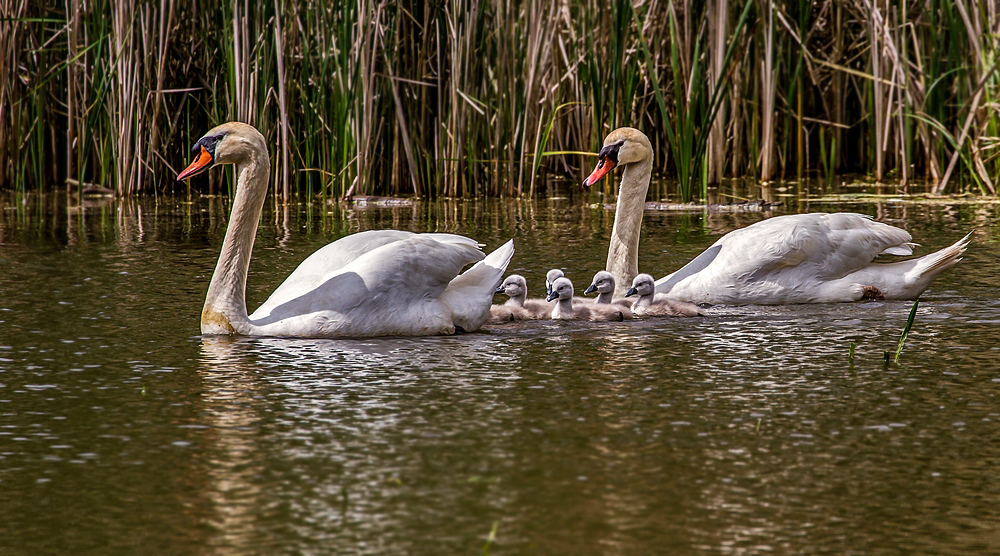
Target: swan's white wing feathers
[323, 264]
[417, 267]
[784, 257]
[390, 289]
[832, 245]
[469, 295]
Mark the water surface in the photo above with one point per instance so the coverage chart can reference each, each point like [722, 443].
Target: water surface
[122, 431]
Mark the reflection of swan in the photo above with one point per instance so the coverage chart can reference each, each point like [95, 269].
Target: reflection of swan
[650, 304]
[799, 258]
[604, 285]
[565, 309]
[373, 283]
[517, 307]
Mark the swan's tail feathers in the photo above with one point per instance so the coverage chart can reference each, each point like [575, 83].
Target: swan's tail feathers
[470, 294]
[929, 266]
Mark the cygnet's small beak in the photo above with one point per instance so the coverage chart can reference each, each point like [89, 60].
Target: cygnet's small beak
[631, 292]
[590, 290]
[551, 296]
[548, 287]
[501, 289]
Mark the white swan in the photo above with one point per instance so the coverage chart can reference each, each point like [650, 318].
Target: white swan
[518, 307]
[565, 309]
[604, 285]
[657, 305]
[375, 283]
[799, 258]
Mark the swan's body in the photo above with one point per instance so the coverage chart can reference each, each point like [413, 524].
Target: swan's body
[652, 304]
[565, 309]
[518, 307]
[376, 283]
[801, 258]
[604, 285]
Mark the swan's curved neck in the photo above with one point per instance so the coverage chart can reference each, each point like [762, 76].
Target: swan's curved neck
[623, 254]
[225, 310]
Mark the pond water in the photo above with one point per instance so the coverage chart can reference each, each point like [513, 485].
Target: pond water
[749, 430]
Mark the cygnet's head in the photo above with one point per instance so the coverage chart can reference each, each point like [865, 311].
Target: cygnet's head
[550, 277]
[228, 143]
[562, 288]
[604, 282]
[642, 285]
[515, 285]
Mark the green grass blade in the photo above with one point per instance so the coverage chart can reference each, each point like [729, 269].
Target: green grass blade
[906, 330]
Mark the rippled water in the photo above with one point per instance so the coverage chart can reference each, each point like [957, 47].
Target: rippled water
[746, 431]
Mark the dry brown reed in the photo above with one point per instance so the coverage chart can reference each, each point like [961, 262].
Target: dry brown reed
[473, 98]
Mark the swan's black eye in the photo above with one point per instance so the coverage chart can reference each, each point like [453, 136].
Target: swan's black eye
[209, 142]
[611, 151]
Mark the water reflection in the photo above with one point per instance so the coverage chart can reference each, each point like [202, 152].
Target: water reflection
[229, 390]
[744, 431]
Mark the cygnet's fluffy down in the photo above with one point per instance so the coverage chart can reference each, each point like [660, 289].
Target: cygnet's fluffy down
[604, 284]
[565, 309]
[518, 307]
[650, 304]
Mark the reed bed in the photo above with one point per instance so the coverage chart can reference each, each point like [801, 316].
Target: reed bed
[470, 98]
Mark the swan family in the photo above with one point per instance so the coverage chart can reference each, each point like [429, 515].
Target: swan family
[399, 283]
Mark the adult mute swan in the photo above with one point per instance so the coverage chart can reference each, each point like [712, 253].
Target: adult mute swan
[797, 258]
[565, 309]
[657, 305]
[376, 283]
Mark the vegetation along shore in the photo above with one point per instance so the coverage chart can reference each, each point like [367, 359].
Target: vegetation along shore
[468, 98]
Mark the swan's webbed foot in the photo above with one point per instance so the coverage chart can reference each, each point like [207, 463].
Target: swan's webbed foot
[459, 330]
[872, 293]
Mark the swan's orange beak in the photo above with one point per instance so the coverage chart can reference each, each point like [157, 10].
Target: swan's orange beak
[199, 165]
[604, 165]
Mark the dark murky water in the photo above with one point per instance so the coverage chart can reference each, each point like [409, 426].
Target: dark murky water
[747, 431]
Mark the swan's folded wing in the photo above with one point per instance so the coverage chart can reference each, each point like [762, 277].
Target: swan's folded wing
[470, 294]
[391, 289]
[326, 262]
[856, 240]
[819, 246]
[453, 238]
[417, 267]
